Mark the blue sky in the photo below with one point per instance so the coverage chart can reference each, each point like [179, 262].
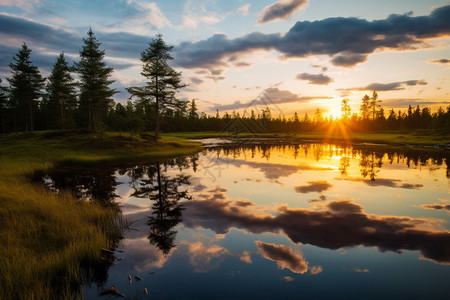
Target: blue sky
[294, 55]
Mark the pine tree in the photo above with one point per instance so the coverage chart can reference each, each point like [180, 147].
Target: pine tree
[26, 86]
[345, 109]
[365, 107]
[193, 110]
[163, 81]
[61, 95]
[3, 107]
[374, 105]
[95, 97]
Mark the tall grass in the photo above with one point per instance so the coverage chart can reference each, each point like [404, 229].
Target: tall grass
[44, 237]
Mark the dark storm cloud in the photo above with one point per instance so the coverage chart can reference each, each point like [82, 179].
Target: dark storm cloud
[269, 96]
[313, 186]
[342, 224]
[283, 256]
[347, 40]
[441, 61]
[280, 10]
[319, 79]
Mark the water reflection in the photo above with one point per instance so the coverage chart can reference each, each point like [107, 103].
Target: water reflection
[166, 195]
[275, 210]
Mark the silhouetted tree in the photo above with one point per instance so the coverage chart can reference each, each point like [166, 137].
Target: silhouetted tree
[26, 86]
[61, 95]
[345, 109]
[365, 107]
[193, 110]
[3, 107]
[95, 96]
[163, 81]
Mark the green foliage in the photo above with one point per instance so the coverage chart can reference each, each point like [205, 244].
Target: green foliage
[95, 97]
[26, 84]
[61, 96]
[162, 80]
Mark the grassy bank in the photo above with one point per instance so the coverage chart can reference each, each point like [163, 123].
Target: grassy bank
[44, 238]
[421, 137]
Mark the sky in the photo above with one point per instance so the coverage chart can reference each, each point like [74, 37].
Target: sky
[290, 55]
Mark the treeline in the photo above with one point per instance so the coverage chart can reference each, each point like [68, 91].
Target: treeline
[60, 101]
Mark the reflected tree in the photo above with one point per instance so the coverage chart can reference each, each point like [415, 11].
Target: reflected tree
[166, 194]
[370, 164]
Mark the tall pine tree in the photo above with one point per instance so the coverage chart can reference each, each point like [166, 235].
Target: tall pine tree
[26, 85]
[61, 95]
[95, 94]
[162, 80]
[3, 107]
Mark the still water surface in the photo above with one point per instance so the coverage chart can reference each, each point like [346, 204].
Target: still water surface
[308, 221]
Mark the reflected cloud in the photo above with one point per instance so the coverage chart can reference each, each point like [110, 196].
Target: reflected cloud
[287, 278]
[436, 206]
[283, 256]
[274, 171]
[205, 258]
[341, 224]
[144, 257]
[394, 183]
[316, 270]
[245, 257]
[313, 186]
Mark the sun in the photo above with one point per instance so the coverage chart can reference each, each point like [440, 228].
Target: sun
[336, 113]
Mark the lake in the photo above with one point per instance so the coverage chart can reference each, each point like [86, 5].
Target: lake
[267, 219]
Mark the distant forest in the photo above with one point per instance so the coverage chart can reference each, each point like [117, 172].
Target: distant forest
[60, 101]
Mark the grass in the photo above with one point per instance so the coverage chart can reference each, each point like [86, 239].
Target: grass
[420, 137]
[45, 238]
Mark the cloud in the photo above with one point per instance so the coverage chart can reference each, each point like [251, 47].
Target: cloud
[23, 4]
[245, 257]
[196, 80]
[283, 256]
[270, 96]
[142, 17]
[441, 61]
[244, 9]
[273, 171]
[348, 41]
[319, 79]
[280, 10]
[313, 186]
[204, 258]
[196, 13]
[393, 183]
[393, 86]
[436, 206]
[316, 270]
[342, 223]
[412, 102]
[288, 278]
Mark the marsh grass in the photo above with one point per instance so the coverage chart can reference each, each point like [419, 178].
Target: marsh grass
[44, 237]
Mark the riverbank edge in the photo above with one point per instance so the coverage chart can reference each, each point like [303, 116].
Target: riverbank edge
[396, 138]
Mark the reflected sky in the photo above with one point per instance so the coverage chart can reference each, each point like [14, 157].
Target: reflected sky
[284, 220]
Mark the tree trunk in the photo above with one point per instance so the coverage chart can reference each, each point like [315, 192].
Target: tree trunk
[157, 119]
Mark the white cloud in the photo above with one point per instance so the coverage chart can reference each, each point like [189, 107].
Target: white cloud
[244, 9]
[24, 4]
[196, 13]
